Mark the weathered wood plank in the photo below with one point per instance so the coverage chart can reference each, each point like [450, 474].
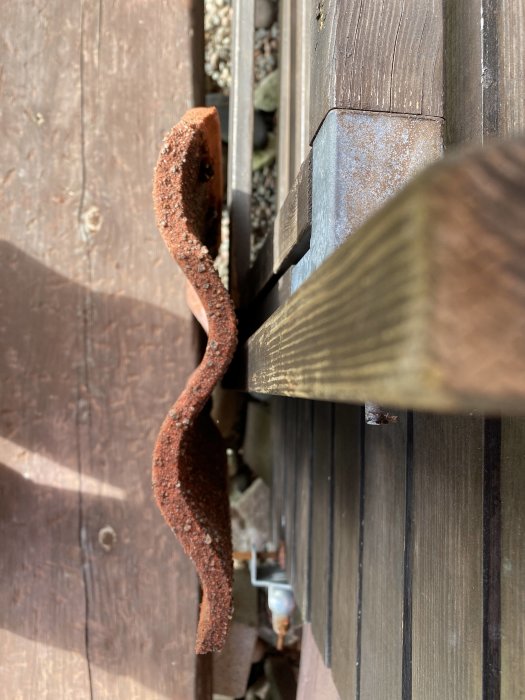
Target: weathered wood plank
[322, 514]
[447, 590]
[290, 485]
[462, 66]
[347, 516]
[240, 143]
[395, 315]
[315, 680]
[303, 510]
[101, 601]
[279, 448]
[511, 71]
[286, 77]
[484, 69]
[302, 82]
[139, 350]
[379, 57]
[383, 561]
[288, 241]
[42, 618]
[293, 222]
[512, 559]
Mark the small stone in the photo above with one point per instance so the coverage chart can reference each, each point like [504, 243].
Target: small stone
[266, 94]
[265, 13]
[266, 156]
[260, 131]
[201, 268]
[208, 539]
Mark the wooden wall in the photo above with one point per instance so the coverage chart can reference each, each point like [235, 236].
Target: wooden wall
[411, 570]
[96, 341]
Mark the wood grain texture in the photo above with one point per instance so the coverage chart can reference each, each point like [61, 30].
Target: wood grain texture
[293, 222]
[303, 510]
[98, 341]
[383, 561]
[347, 515]
[240, 143]
[315, 680]
[322, 512]
[290, 484]
[512, 559]
[286, 78]
[511, 71]
[484, 69]
[301, 127]
[42, 620]
[288, 241]
[279, 464]
[408, 322]
[462, 68]
[447, 595]
[375, 56]
[133, 364]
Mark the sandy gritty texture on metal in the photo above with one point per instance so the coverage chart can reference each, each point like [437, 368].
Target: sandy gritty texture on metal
[189, 461]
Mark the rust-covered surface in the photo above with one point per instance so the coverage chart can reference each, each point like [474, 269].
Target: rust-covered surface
[189, 462]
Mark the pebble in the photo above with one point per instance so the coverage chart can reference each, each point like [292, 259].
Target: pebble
[260, 132]
[265, 13]
[266, 94]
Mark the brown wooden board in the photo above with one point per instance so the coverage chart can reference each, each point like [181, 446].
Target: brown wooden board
[303, 509]
[512, 559]
[399, 313]
[240, 144]
[447, 590]
[383, 57]
[322, 512]
[133, 360]
[346, 547]
[383, 561]
[279, 464]
[315, 680]
[286, 78]
[301, 126]
[100, 602]
[484, 69]
[288, 241]
[511, 67]
[462, 67]
[42, 618]
[292, 226]
[290, 486]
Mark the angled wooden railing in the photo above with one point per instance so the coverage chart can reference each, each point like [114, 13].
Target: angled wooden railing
[423, 307]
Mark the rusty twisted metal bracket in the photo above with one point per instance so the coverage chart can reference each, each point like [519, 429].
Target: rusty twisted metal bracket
[189, 461]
